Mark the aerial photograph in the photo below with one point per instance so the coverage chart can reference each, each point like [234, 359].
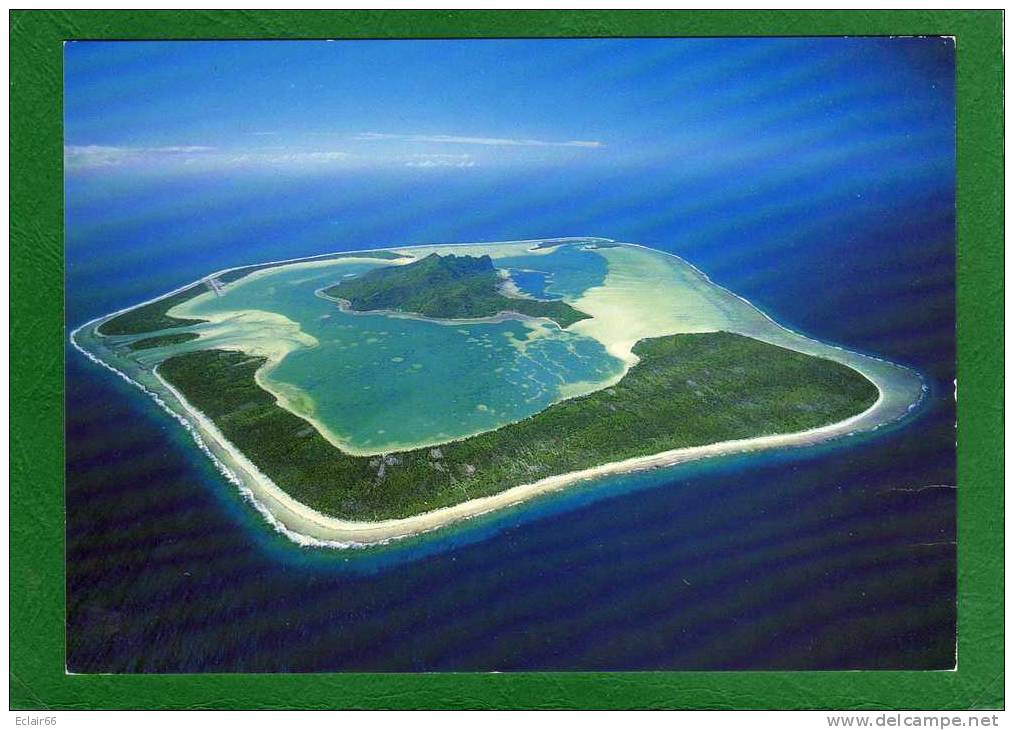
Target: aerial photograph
[510, 355]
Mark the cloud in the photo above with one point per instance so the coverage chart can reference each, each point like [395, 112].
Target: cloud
[437, 159]
[441, 155]
[282, 157]
[90, 157]
[194, 158]
[487, 141]
[441, 163]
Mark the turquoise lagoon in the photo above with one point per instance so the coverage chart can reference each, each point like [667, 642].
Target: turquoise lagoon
[374, 383]
[382, 382]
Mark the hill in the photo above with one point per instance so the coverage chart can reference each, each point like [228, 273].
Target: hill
[444, 287]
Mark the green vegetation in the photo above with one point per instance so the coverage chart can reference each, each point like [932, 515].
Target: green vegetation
[444, 287]
[152, 316]
[175, 338]
[687, 390]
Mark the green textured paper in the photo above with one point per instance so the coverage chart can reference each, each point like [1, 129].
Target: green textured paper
[37, 629]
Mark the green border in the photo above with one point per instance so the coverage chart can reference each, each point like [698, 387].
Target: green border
[36, 371]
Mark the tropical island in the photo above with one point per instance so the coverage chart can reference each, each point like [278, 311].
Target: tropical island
[365, 396]
[445, 287]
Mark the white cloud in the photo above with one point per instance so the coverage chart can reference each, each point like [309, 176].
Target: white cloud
[438, 159]
[487, 141]
[441, 155]
[175, 150]
[89, 156]
[441, 163]
[86, 157]
[282, 157]
[169, 158]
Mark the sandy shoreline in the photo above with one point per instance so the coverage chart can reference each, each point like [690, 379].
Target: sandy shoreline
[309, 527]
[506, 316]
[899, 391]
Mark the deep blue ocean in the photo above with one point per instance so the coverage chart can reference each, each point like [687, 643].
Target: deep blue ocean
[837, 556]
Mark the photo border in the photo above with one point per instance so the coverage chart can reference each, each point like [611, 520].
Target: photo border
[38, 344]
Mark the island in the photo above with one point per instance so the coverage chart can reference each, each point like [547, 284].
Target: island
[445, 287]
[366, 396]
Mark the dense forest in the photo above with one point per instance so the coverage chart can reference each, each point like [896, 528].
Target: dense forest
[173, 338]
[153, 316]
[687, 390]
[444, 287]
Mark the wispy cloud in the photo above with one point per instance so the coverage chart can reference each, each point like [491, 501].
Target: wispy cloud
[364, 154]
[441, 163]
[284, 157]
[441, 160]
[88, 157]
[487, 141]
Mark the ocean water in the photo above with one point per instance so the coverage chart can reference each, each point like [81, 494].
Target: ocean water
[830, 557]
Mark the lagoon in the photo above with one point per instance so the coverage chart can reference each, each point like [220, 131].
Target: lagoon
[378, 383]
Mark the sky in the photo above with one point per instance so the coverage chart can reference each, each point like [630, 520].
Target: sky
[741, 106]
[813, 170]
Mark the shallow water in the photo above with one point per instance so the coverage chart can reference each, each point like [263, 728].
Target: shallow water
[380, 383]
